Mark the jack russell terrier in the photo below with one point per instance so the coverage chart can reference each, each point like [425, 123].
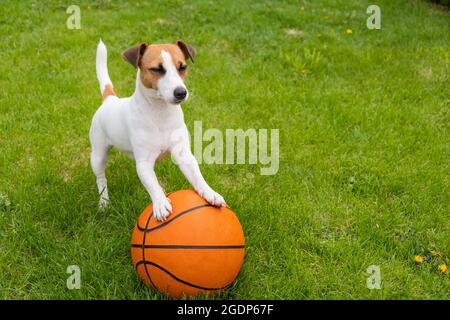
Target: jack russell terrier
[149, 125]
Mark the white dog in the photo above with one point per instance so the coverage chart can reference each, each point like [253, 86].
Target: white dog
[148, 125]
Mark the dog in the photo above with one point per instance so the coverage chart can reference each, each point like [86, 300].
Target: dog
[149, 125]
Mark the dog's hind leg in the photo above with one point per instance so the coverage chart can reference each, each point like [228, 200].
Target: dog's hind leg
[99, 157]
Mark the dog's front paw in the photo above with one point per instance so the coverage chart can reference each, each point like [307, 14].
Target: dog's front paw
[103, 203]
[162, 208]
[212, 197]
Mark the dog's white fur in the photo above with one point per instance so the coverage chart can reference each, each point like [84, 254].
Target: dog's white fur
[146, 126]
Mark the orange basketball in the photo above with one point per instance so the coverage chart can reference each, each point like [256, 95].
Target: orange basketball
[199, 248]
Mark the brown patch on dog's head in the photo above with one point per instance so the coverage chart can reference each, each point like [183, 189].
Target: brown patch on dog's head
[150, 62]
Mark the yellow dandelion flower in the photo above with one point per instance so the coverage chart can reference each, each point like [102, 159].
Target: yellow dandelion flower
[349, 31]
[443, 268]
[418, 259]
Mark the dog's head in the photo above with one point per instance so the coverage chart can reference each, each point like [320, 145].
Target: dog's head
[163, 68]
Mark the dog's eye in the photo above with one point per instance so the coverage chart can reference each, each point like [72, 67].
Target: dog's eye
[160, 69]
[182, 67]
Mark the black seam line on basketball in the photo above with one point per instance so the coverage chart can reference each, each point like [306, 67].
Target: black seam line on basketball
[143, 248]
[145, 230]
[174, 246]
[178, 279]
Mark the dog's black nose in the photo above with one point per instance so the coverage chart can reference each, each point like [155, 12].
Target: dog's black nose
[179, 93]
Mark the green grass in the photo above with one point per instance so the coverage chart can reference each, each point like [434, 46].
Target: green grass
[364, 144]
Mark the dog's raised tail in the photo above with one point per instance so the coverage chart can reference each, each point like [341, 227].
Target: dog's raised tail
[101, 67]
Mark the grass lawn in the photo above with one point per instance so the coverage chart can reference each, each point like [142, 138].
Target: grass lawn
[364, 144]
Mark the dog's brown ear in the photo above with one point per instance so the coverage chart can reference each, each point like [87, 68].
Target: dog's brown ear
[133, 55]
[188, 50]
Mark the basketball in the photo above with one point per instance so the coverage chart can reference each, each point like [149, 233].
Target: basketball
[198, 249]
